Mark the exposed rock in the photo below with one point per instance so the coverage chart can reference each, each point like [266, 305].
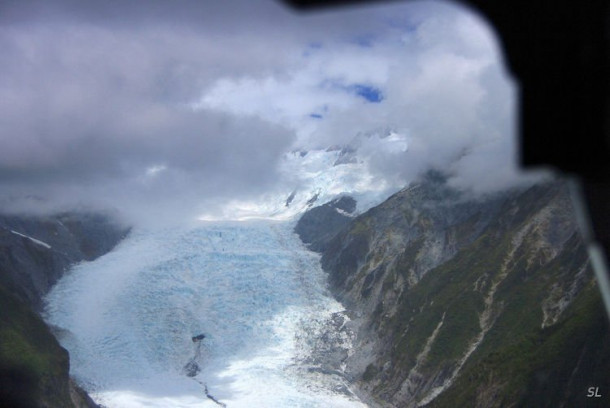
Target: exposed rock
[320, 224]
[330, 349]
[36, 251]
[312, 200]
[325, 347]
[80, 398]
[462, 300]
[347, 155]
[191, 368]
[290, 198]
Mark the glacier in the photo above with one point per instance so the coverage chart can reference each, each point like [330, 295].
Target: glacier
[251, 287]
[243, 278]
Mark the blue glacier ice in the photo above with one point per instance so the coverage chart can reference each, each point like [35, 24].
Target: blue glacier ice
[251, 287]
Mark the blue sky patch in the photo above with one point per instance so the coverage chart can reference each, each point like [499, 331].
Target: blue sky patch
[370, 93]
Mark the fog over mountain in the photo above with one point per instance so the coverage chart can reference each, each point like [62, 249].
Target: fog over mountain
[161, 108]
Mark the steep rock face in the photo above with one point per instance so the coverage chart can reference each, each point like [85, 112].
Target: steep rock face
[34, 253]
[320, 224]
[415, 230]
[461, 302]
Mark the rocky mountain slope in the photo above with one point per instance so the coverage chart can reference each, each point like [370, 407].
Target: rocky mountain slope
[319, 225]
[34, 253]
[471, 302]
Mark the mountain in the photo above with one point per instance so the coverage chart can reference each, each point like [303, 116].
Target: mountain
[34, 253]
[318, 226]
[316, 175]
[462, 301]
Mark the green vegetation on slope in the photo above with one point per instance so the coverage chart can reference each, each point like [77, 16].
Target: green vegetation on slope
[491, 301]
[33, 366]
[549, 367]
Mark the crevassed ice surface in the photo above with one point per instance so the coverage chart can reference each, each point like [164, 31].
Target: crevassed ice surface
[251, 287]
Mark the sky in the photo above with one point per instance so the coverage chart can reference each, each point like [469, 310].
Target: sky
[159, 108]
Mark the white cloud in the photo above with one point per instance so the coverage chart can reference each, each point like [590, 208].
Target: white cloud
[140, 111]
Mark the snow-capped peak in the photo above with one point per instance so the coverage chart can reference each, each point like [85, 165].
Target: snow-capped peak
[315, 176]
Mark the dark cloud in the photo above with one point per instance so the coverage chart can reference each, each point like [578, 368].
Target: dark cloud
[267, 18]
[171, 106]
[85, 105]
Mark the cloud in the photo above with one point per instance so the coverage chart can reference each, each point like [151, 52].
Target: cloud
[86, 110]
[170, 107]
